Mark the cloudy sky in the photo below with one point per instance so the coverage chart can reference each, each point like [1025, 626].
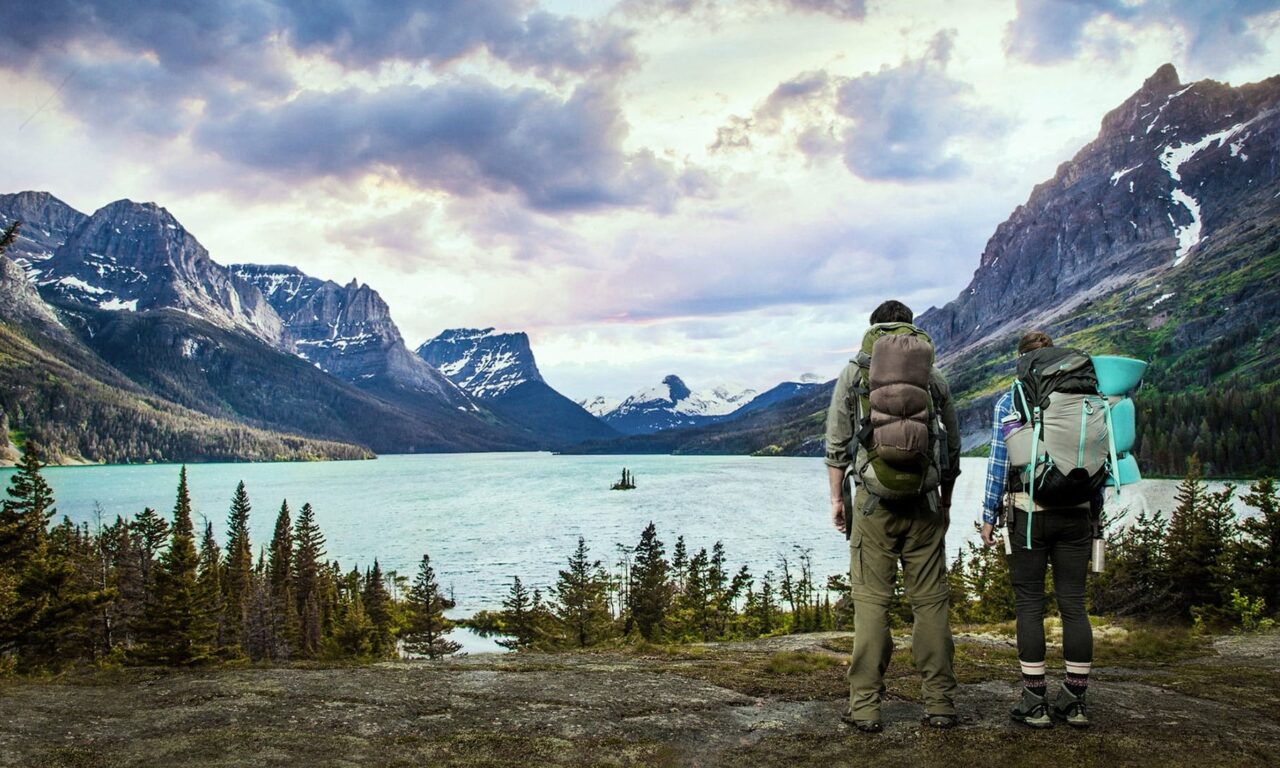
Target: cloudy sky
[721, 189]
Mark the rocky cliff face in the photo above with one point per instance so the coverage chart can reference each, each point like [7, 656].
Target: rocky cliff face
[484, 363]
[136, 256]
[47, 222]
[499, 370]
[1172, 168]
[347, 330]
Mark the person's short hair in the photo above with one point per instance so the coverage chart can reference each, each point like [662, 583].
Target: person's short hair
[1033, 340]
[892, 311]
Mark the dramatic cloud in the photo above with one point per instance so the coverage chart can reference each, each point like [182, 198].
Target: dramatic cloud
[1216, 33]
[156, 67]
[463, 138]
[907, 118]
[855, 10]
[364, 34]
[901, 123]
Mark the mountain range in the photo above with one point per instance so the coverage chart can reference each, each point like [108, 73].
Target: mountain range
[122, 340]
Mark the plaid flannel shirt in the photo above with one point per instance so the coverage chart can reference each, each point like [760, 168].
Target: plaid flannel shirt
[998, 463]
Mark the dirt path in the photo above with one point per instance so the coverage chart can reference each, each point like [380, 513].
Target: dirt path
[769, 702]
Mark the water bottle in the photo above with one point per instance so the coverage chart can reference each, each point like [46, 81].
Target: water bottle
[1099, 555]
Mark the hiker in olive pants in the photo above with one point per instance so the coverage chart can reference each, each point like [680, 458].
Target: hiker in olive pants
[880, 539]
[882, 534]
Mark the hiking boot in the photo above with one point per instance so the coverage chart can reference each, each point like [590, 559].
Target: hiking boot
[1032, 710]
[941, 722]
[866, 726]
[1071, 708]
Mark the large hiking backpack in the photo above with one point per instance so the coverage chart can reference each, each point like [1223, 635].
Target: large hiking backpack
[895, 421]
[1064, 452]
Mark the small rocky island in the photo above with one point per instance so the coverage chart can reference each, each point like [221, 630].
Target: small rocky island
[627, 483]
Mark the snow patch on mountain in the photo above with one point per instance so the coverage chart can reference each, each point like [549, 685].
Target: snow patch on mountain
[484, 363]
[599, 405]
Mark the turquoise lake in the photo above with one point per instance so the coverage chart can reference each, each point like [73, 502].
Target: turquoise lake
[486, 517]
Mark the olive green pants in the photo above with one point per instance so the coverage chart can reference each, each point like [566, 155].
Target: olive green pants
[882, 538]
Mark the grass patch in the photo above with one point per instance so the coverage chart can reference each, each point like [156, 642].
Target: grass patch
[800, 662]
[1149, 645]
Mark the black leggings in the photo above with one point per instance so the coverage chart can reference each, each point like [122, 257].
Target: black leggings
[1065, 539]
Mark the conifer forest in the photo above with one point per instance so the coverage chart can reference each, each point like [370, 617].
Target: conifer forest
[153, 589]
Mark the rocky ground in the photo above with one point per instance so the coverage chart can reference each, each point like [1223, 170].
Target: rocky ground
[1161, 699]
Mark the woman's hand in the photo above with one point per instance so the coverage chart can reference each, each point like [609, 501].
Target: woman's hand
[988, 535]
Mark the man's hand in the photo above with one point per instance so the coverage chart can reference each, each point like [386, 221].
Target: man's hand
[988, 534]
[837, 514]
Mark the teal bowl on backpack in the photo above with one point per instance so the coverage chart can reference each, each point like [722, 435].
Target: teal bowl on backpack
[1124, 425]
[1118, 375]
[1127, 470]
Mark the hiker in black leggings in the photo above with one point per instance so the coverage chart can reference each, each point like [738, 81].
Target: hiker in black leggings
[1059, 537]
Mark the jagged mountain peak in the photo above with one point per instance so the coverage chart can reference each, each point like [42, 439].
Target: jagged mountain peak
[46, 224]
[482, 362]
[1171, 166]
[138, 257]
[677, 390]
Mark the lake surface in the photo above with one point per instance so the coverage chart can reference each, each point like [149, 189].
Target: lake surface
[486, 517]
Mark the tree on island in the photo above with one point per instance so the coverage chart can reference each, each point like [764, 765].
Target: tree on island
[427, 624]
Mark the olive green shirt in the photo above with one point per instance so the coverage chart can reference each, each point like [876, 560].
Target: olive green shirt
[840, 421]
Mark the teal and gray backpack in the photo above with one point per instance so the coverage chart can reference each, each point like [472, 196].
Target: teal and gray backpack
[895, 425]
[1064, 452]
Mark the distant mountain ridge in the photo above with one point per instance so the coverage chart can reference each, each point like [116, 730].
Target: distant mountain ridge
[132, 299]
[136, 256]
[347, 331]
[499, 370]
[672, 404]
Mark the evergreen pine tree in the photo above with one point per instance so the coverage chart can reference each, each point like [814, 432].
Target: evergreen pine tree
[651, 588]
[679, 564]
[582, 603]
[1199, 538]
[25, 514]
[518, 617]
[152, 532]
[308, 581]
[285, 627]
[177, 626]
[1260, 547]
[427, 624]
[377, 604]
[46, 599]
[209, 581]
[239, 566]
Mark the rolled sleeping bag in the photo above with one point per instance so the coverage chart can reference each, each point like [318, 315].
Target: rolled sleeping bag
[1118, 375]
[1124, 423]
[1127, 470]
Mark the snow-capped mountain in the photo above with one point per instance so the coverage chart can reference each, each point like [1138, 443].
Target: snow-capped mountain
[136, 256]
[599, 405]
[347, 331]
[672, 404]
[484, 363]
[499, 370]
[47, 223]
